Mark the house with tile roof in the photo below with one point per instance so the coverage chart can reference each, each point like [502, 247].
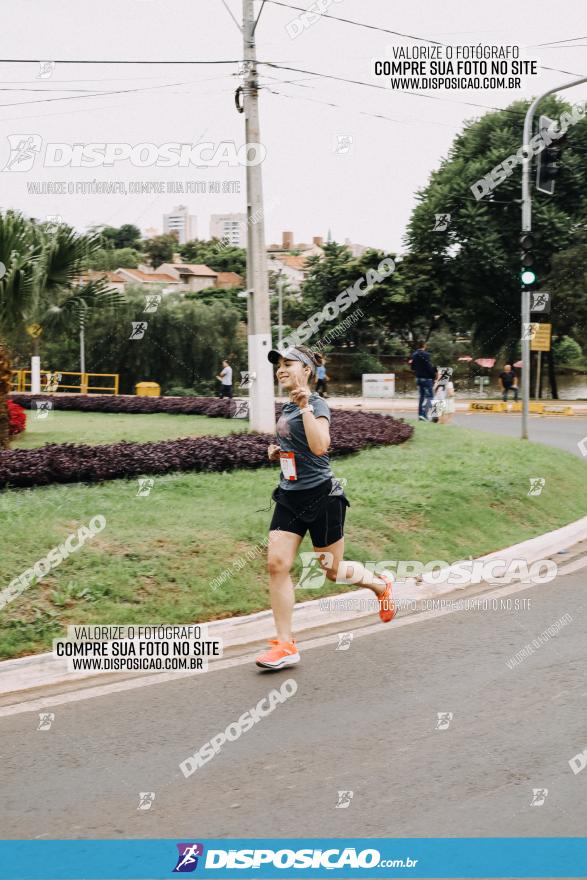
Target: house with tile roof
[191, 276]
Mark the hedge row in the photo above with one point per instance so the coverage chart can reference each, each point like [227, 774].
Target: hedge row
[74, 463]
[123, 403]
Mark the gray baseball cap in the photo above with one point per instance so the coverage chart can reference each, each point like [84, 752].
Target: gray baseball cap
[291, 354]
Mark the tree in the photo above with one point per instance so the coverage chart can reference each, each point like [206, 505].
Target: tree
[218, 255]
[108, 260]
[40, 285]
[160, 249]
[382, 307]
[183, 344]
[567, 350]
[567, 282]
[475, 261]
[126, 236]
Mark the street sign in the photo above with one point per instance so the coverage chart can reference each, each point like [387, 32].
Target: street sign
[540, 339]
[378, 384]
[481, 380]
[540, 302]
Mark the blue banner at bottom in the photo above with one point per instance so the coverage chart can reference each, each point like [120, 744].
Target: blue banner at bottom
[481, 857]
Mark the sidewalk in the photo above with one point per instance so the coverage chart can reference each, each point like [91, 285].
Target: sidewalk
[410, 404]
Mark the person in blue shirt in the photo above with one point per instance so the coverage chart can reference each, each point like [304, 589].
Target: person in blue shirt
[321, 377]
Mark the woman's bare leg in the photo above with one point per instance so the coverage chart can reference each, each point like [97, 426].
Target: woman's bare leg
[351, 572]
[281, 554]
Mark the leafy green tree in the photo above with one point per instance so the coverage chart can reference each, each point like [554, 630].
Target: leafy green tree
[225, 295]
[108, 260]
[567, 282]
[475, 261]
[382, 307]
[567, 350]
[183, 344]
[160, 249]
[216, 254]
[125, 236]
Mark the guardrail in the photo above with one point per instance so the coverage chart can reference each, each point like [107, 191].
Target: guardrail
[52, 382]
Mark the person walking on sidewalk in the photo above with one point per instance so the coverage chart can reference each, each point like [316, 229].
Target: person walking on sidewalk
[308, 498]
[225, 379]
[321, 377]
[425, 371]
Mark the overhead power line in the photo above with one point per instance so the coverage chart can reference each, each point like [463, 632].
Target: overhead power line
[371, 27]
[111, 61]
[556, 42]
[358, 82]
[421, 39]
[99, 94]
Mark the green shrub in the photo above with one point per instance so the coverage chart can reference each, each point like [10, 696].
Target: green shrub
[567, 350]
[365, 363]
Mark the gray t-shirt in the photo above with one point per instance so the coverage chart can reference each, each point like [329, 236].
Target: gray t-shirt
[311, 469]
[226, 375]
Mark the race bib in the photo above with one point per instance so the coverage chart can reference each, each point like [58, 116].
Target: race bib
[288, 465]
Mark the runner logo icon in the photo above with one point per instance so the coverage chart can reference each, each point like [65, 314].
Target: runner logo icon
[187, 860]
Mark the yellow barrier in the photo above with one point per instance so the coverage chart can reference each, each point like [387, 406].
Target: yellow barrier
[21, 381]
[147, 389]
[553, 409]
[486, 406]
[541, 408]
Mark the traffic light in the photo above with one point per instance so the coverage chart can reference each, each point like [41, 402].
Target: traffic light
[548, 167]
[528, 274]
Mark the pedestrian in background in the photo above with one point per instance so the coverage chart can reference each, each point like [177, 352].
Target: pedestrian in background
[225, 379]
[509, 382]
[426, 372]
[321, 377]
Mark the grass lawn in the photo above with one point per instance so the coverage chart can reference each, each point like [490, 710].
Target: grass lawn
[62, 426]
[448, 493]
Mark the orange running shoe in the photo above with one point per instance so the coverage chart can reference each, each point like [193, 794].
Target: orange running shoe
[387, 609]
[279, 655]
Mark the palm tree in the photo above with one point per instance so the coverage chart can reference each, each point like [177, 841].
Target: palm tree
[40, 265]
[40, 286]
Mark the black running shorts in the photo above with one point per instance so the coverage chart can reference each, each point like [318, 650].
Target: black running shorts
[313, 510]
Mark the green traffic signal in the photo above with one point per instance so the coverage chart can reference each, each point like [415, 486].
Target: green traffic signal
[528, 277]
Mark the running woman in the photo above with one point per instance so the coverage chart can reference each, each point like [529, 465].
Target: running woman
[308, 498]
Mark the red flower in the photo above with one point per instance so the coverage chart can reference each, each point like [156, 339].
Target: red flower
[17, 418]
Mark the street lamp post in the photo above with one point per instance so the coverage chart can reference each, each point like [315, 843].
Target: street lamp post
[527, 227]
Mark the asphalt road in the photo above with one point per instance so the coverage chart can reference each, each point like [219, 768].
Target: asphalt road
[363, 720]
[562, 432]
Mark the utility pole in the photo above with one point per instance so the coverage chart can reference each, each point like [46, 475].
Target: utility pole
[527, 227]
[279, 310]
[261, 392]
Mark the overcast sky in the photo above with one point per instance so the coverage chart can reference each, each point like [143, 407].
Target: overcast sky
[365, 193]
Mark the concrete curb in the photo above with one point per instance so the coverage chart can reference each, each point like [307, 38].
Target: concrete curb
[17, 677]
